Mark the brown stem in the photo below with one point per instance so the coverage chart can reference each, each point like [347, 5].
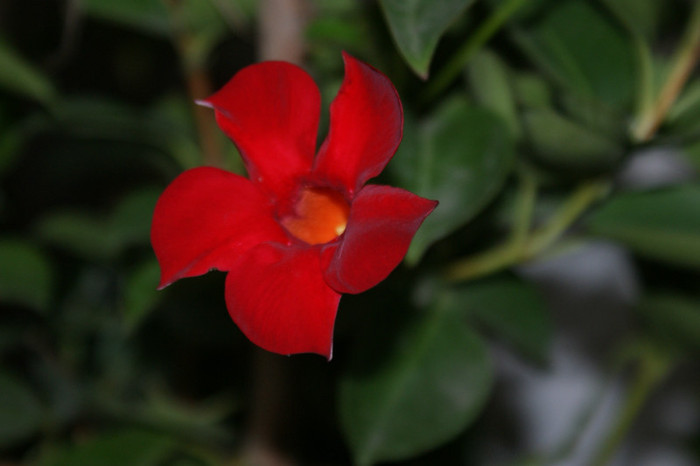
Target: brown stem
[684, 63]
[281, 24]
[267, 415]
[198, 87]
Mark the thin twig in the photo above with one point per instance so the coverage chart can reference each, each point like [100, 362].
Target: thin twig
[684, 63]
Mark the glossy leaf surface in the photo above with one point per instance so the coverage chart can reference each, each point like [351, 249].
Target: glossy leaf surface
[417, 26]
[428, 389]
[583, 50]
[459, 156]
[661, 224]
[511, 309]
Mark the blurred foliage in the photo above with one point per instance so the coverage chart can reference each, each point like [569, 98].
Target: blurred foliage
[521, 118]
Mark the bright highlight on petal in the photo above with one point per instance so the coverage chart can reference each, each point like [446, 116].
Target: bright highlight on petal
[320, 215]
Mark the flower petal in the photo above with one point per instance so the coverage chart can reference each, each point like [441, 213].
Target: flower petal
[365, 127]
[382, 222]
[205, 219]
[278, 298]
[271, 111]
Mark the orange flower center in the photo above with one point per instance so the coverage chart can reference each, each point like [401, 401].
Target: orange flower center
[320, 215]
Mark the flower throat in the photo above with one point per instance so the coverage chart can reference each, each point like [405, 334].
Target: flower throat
[320, 215]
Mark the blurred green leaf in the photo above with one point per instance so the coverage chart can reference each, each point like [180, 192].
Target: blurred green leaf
[175, 129]
[640, 16]
[102, 238]
[433, 384]
[490, 82]
[99, 117]
[25, 274]
[692, 154]
[584, 51]
[459, 156]
[20, 411]
[337, 31]
[564, 144]
[201, 23]
[684, 116]
[206, 417]
[140, 295]
[662, 224]
[511, 309]
[76, 232]
[525, 12]
[119, 448]
[204, 27]
[147, 15]
[595, 116]
[19, 76]
[167, 125]
[417, 26]
[531, 91]
[688, 103]
[130, 222]
[673, 317]
[10, 144]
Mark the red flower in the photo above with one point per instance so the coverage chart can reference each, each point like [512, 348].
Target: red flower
[302, 229]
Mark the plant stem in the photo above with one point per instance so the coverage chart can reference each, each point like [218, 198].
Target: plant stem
[198, 87]
[508, 252]
[652, 369]
[524, 206]
[517, 248]
[684, 62]
[587, 193]
[483, 33]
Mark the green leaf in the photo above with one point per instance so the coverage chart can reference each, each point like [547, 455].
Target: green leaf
[684, 116]
[102, 238]
[692, 153]
[10, 144]
[176, 134]
[510, 308]
[205, 27]
[489, 79]
[431, 386]
[146, 15]
[334, 30]
[417, 25]
[661, 224]
[595, 116]
[525, 12]
[584, 51]
[640, 16]
[18, 75]
[564, 144]
[119, 448]
[531, 91]
[20, 411]
[76, 232]
[130, 222]
[459, 156]
[673, 317]
[687, 105]
[141, 296]
[25, 274]
[167, 125]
